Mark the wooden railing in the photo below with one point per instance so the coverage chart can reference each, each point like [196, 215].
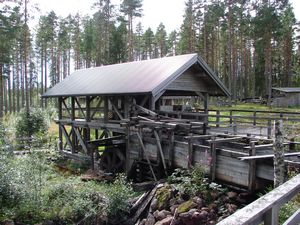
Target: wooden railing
[239, 120]
[266, 209]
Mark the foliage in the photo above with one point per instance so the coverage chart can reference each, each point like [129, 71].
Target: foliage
[32, 192]
[2, 135]
[191, 183]
[118, 192]
[31, 123]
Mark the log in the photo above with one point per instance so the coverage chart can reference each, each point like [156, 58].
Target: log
[267, 156]
[139, 210]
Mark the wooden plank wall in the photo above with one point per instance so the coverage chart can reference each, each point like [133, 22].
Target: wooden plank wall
[228, 167]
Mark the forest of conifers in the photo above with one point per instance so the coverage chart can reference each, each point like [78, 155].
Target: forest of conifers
[251, 44]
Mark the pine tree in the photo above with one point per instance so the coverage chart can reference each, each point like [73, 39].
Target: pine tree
[131, 9]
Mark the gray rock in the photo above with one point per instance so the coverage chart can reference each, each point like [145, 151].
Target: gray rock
[150, 220]
[165, 221]
[198, 201]
[154, 205]
[232, 194]
[203, 215]
[160, 215]
[173, 209]
[184, 215]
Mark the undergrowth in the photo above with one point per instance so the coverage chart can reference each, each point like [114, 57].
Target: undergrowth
[32, 192]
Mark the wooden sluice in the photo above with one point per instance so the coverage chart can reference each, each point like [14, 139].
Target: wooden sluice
[149, 148]
[177, 146]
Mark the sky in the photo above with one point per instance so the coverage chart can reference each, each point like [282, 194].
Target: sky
[169, 12]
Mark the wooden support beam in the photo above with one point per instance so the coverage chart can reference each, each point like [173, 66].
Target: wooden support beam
[158, 143]
[146, 155]
[144, 101]
[65, 133]
[190, 153]
[147, 111]
[73, 119]
[171, 142]
[66, 107]
[213, 155]
[105, 112]
[116, 110]
[79, 106]
[220, 140]
[60, 134]
[106, 140]
[252, 169]
[267, 156]
[97, 108]
[80, 140]
[126, 107]
[127, 154]
[87, 132]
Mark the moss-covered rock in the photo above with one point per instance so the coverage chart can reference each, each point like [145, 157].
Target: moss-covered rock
[186, 206]
[163, 195]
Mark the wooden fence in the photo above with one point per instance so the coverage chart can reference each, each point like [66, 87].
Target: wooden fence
[266, 209]
[254, 122]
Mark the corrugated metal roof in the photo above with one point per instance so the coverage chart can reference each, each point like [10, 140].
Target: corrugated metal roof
[139, 77]
[288, 89]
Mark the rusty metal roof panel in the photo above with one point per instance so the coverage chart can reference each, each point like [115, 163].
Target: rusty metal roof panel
[139, 77]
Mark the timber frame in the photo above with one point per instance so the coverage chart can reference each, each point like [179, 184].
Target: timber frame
[116, 117]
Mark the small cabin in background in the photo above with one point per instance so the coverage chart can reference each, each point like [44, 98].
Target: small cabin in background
[286, 96]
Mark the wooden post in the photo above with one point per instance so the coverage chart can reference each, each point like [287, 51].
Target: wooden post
[279, 165]
[234, 126]
[87, 131]
[74, 140]
[218, 118]
[152, 103]
[146, 155]
[160, 154]
[127, 139]
[252, 168]
[271, 216]
[269, 129]
[190, 153]
[126, 107]
[171, 140]
[60, 135]
[213, 156]
[205, 102]
[105, 112]
[230, 117]
[254, 118]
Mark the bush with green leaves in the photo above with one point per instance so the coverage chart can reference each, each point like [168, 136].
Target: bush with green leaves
[2, 135]
[32, 122]
[118, 193]
[32, 192]
[193, 182]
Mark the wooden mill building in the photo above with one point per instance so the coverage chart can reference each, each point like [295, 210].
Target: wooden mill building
[112, 115]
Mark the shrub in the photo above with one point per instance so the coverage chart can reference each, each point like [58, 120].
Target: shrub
[118, 194]
[193, 183]
[31, 123]
[31, 192]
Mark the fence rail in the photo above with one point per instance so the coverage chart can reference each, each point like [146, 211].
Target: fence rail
[266, 209]
[240, 121]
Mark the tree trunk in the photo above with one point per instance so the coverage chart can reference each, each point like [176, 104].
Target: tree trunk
[1, 91]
